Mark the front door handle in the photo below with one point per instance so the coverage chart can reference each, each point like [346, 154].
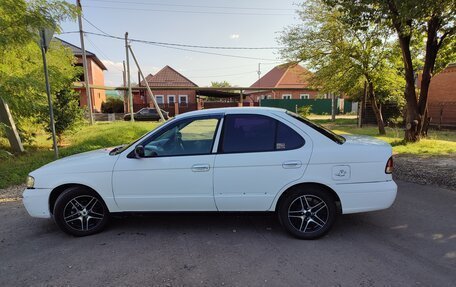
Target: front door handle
[292, 164]
[200, 167]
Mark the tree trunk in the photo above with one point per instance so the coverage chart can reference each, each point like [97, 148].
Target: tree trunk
[412, 118]
[404, 32]
[375, 108]
[432, 48]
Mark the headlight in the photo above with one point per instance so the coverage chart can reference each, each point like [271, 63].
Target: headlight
[30, 181]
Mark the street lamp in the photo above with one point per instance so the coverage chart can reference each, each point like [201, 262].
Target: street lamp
[46, 35]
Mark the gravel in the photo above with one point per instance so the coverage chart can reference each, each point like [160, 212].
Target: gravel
[439, 171]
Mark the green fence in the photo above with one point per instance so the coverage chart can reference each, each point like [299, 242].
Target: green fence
[319, 106]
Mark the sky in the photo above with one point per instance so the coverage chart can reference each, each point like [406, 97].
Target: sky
[233, 23]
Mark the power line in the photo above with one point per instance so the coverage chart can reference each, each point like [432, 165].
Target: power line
[215, 76]
[197, 6]
[102, 53]
[182, 45]
[190, 12]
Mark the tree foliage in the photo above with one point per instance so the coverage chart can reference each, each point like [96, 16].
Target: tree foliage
[22, 83]
[426, 33]
[344, 57]
[222, 84]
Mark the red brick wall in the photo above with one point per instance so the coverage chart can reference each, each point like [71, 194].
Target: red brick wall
[443, 86]
[96, 77]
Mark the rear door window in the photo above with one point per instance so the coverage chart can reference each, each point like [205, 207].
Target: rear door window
[257, 133]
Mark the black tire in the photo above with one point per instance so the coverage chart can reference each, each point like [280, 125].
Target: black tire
[80, 212]
[307, 212]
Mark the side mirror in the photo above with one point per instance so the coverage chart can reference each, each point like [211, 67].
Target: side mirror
[139, 151]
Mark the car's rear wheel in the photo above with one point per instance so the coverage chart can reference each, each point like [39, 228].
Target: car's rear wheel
[307, 212]
[79, 211]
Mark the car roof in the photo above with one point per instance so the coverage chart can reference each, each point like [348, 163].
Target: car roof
[233, 110]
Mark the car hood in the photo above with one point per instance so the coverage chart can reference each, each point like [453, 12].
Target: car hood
[87, 162]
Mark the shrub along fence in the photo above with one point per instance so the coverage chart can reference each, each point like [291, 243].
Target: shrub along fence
[319, 106]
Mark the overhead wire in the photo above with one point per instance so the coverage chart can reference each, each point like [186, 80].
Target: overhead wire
[196, 6]
[189, 12]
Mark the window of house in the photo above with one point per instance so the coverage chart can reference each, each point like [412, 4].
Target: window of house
[304, 96]
[171, 99]
[160, 99]
[183, 100]
[257, 133]
[286, 96]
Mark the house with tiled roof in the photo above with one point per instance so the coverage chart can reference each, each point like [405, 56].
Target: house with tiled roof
[167, 77]
[95, 69]
[284, 76]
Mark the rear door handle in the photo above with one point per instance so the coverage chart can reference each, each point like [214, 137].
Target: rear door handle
[200, 167]
[292, 164]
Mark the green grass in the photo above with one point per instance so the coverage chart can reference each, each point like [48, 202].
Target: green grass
[13, 170]
[438, 143]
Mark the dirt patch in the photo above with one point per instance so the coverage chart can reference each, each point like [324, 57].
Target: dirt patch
[426, 170]
[11, 193]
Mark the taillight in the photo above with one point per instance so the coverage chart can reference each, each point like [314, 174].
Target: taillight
[389, 166]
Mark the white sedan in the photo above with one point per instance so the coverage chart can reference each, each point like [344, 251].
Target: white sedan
[231, 159]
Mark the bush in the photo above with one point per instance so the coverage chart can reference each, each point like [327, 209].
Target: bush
[304, 111]
[112, 105]
[67, 113]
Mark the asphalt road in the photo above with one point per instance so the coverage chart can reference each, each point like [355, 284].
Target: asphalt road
[411, 244]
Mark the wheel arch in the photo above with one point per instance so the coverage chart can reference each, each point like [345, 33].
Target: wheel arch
[56, 192]
[321, 186]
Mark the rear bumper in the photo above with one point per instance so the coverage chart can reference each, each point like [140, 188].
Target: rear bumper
[362, 197]
[36, 202]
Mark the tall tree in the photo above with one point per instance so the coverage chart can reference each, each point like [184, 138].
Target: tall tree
[21, 70]
[345, 57]
[434, 21]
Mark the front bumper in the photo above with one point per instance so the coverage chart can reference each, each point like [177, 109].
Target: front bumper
[36, 202]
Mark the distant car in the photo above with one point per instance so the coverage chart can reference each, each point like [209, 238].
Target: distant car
[231, 159]
[146, 114]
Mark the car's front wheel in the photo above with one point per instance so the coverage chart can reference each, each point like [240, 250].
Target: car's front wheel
[79, 211]
[307, 212]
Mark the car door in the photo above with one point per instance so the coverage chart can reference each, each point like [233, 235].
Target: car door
[176, 172]
[258, 156]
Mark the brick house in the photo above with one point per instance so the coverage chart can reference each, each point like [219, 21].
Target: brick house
[284, 76]
[167, 77]
[442, 97]
[95, 73]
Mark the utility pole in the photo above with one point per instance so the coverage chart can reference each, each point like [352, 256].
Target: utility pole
[157, 107]
[130, 96]
[259, 73]
[84, 64]
[333, 106]
[124, 76]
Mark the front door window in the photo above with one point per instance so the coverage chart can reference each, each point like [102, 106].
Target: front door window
[188, 137]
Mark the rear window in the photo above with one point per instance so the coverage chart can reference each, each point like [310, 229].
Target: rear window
[321, 129]
[257, 133]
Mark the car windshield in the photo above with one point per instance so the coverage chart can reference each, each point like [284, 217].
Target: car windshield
[319, 128]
